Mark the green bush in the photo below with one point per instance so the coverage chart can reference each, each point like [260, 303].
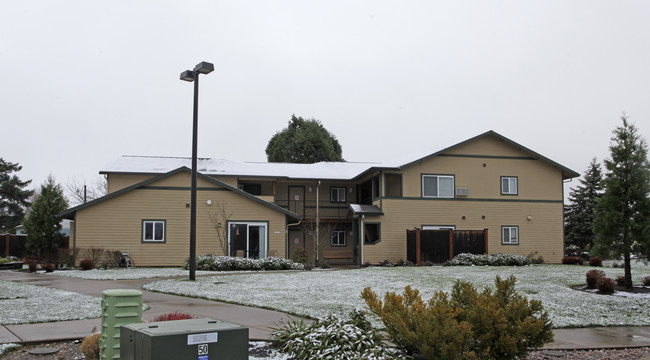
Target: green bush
[211, 262]
[300, 255]
[331, 338]
[497, 324]
[489, 260]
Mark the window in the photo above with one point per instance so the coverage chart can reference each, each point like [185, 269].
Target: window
[375, 187]
[510, 235]
[153, 230]
[393, 185]
[371, 233]
[508, 185]
[438, 186]
[338, 238]
[337, 194]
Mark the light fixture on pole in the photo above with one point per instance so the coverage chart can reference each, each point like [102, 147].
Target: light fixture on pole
[193, 76]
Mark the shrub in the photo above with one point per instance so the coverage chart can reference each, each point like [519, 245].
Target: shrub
[497, 324]
[173, 316]
[646, 281]
[211, 262]
[366, 264]
[620, 280]
[427, 263]
[534, 259]
[595, 261]
[572, 260]
[95, 254]
[606, 285]
[90, 346]
[32, 266]
[331, 338]
[86, 264]
[49, 267]
[592, 278]
[488, 260]
[386, 263]
[300, 255]
[403, 262]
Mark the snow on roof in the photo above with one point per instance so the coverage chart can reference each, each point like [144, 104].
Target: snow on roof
[221, 167]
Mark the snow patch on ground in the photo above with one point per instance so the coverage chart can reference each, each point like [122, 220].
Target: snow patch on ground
[315, 294]
[6, 347]
[26, 304]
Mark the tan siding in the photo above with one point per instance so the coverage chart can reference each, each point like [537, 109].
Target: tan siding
[489, 145]
[542, 234]
[116, 223]
[118, 181]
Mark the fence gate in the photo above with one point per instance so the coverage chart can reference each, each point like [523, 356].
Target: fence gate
[438, 246]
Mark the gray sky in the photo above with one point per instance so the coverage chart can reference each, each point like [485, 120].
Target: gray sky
[86, 81]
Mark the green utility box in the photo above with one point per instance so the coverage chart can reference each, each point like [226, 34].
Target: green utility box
[193, 339]
[119, 306]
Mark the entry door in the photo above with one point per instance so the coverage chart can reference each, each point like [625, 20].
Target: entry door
[248, 240]
[297, 200]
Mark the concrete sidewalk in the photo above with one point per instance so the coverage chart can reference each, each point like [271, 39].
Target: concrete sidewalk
[257, 320]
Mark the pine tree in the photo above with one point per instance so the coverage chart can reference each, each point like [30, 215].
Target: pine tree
[13, 197]
[579, 214]
[43, 226]
[305, 142]
[622, 223]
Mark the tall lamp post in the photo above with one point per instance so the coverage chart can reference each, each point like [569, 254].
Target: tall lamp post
[193, 75]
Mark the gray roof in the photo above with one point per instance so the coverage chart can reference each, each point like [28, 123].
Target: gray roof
[358, 209]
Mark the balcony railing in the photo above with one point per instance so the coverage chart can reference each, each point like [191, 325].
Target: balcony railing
[307, 209]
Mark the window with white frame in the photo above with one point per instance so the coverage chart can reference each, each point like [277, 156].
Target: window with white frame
[337, 194]
[438, 186]
[338, 238]
[508, 185]
[153, 230]
[510, 235]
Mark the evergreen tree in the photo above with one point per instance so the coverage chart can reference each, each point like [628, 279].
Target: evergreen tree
[43, 226]
[305, 142]
[13, 197]
[622, 223]
[579, 214]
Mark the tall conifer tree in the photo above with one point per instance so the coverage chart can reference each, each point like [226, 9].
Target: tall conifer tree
[622, 223]
[43, 226]
[13, 197]
[579, 214]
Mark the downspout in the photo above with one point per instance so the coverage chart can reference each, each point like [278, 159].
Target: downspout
[317, 219]
[361, 237]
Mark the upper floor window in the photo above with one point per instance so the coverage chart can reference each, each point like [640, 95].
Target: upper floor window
[508, 185]
[438, 186]
[510, 235]
[153, 230]
[337, 194]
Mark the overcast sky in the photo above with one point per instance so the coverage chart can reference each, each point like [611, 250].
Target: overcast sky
[86, 81]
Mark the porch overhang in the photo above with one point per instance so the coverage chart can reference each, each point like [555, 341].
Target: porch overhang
[358, 209]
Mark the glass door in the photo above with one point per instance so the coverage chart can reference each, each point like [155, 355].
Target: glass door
[248, 240]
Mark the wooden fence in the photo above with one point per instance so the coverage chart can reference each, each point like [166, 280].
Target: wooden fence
[438, 246]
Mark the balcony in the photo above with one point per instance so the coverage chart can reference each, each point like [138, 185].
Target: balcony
[307, 209]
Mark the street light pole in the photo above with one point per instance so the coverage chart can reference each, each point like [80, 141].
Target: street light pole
[193, 76]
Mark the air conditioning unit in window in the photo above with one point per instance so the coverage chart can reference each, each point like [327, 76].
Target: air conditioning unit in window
[462, 191]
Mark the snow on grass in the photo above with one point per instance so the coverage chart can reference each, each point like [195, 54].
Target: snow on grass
[315, 294]
[26, 304]
[128, 274]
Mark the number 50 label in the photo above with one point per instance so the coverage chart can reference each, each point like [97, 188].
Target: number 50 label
[203, 349]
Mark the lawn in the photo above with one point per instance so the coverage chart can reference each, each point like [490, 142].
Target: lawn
[316, 293]
[26, 304]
